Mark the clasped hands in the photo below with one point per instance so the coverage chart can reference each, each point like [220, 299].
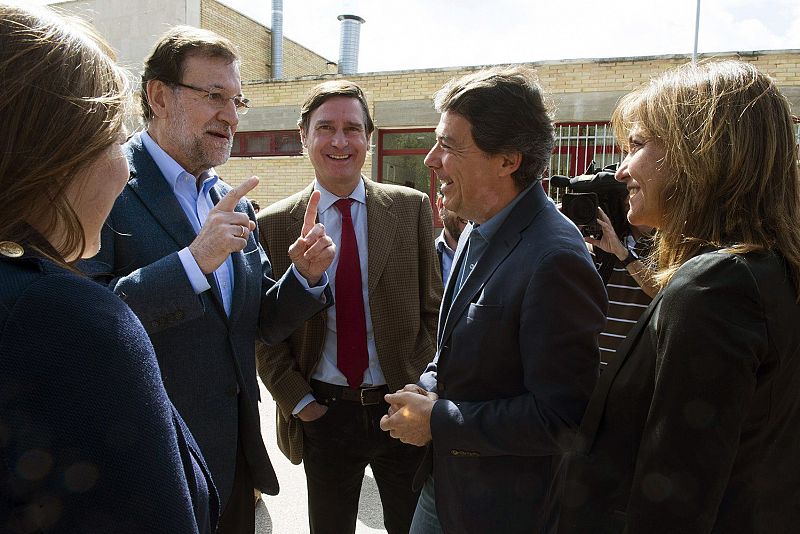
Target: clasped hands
[226, 231]
[409, 416]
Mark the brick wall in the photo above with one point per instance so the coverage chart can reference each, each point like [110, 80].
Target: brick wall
[556, 76]
[282, 176]
[254, 42]
[251, 38]
[300, 61]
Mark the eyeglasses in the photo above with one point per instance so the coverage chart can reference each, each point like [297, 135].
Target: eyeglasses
[218, 100]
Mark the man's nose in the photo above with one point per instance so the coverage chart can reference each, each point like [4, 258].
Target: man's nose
[432, 159]
[228, 114]
[339, 139]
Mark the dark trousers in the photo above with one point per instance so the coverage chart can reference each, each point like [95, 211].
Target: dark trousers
[239, 515]
[337, 448]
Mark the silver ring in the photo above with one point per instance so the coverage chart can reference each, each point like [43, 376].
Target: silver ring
[242, 234]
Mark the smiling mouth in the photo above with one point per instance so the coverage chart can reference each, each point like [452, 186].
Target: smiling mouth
[339, 157]
[218, 135]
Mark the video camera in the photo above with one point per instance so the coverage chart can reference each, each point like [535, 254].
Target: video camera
[590, 190]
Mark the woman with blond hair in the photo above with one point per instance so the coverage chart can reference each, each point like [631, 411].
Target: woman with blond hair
[89, 441]
[695, 427]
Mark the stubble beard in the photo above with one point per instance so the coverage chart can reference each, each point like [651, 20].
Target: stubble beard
[199, 156]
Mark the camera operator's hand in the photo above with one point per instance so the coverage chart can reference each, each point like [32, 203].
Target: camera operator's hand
[610, 241]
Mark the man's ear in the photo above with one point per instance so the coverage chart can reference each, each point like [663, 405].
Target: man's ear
[510, 162]
[303, 137]
[157, 98]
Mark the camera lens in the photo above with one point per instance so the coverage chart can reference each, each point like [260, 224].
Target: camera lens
[584, 210]
[581, 208]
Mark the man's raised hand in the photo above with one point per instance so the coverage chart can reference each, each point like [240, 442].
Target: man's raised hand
[225, 230]
[312, 252]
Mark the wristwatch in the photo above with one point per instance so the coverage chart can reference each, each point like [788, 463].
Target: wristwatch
[630, 258]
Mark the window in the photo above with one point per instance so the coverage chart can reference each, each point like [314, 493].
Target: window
[401, 155]
[276, 143]
[578, 145]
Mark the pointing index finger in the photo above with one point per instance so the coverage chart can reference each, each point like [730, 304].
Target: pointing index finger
[310, 218]
[229, 201]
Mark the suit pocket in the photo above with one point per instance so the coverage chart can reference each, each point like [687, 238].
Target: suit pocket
[485, 312]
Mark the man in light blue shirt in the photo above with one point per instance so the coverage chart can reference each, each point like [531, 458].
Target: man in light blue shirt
[181, 248]
[517, 353]
[329, 378]
[446, 243]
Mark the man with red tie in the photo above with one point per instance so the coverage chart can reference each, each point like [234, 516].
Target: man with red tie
[330, 377]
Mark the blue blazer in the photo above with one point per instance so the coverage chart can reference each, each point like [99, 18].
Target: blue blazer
[207, 359]
[90, 441]
[516, 363]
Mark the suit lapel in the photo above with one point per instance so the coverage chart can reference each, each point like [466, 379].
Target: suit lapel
[497, 251]
[238, 269]
[450, 286]
[502, 243]
[381, 228]
[597, 403]
[297, 212]
[151, 187]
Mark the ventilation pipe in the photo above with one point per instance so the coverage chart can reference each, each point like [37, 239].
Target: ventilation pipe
[277, 39]
[348, 46]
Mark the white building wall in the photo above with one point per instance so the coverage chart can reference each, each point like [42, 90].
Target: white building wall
[132, 27]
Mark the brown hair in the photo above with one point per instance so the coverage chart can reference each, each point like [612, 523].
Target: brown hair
[328, 90]
[728, 136]
[62, 103]
[507, 111]
[168, 57]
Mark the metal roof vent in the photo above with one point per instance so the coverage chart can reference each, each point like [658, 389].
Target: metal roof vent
[277, 39]
[348, 45]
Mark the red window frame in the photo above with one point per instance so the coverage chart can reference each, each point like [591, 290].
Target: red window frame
[409, 152]
[276, 137]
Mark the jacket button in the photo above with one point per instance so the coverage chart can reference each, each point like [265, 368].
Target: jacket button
[179, 315]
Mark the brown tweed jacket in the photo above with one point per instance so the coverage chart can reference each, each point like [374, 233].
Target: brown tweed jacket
[405, 291]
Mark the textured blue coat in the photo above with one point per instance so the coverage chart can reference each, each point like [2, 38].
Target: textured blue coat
[207, 358]
[89, 441]
[516, 362]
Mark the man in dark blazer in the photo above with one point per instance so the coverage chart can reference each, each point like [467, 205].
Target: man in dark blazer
[180, 248]
[517, 350]
[329, 417]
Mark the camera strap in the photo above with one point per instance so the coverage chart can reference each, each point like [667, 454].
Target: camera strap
[605, 264]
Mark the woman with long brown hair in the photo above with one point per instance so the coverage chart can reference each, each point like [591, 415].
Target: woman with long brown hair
[695, 427]
[89, 441]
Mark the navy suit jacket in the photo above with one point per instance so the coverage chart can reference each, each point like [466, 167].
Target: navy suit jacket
[516, 363]
[207, 359]
[90, 441]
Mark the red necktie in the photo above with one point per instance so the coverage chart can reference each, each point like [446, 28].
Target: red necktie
[351, 323]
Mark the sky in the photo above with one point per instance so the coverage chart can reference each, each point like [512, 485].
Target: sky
[417, 34]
